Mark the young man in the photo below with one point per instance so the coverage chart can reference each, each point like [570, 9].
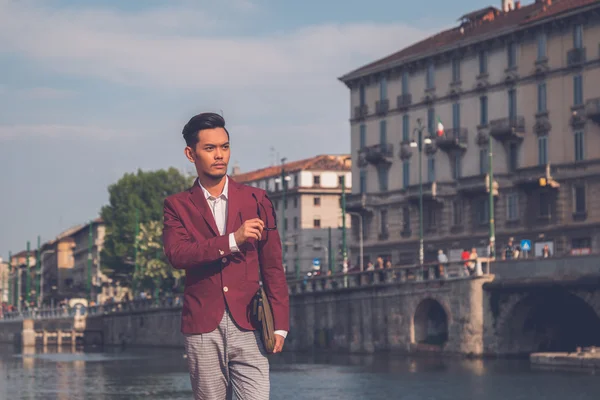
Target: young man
[223, 234]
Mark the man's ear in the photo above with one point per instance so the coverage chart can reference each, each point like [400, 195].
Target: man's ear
[189, 153]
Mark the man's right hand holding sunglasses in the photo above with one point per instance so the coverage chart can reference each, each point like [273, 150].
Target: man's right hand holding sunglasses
[251, 228]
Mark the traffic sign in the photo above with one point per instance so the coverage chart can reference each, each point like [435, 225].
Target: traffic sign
[317, 262]
[526, 245]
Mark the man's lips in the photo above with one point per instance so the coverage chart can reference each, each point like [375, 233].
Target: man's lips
[219, 165]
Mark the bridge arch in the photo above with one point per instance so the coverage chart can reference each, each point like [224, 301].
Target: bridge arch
[550, 320]
[430, 323]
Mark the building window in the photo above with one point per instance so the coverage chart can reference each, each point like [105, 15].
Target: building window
[456, 116]
[342, 180]
[285, 224]
[512, 207]
[431, 121]
[512, 104]
[383, 89]
[513, 157]
[405, 174]
[482, 211]
[383, 173]
[363, 181]
[577, 90]
[316, 222]
[484, 161]
[579, 199]
[361, 94]
[431, 217]
[296, 180]
[285, 204]
[457, 210]
[431, 169]
[405, 219]
[482, 62]
[316, 180]
[542, 150]
[457, 170]
[295, 202]
[317, 201]
[363, 136]
[545, 204]
[483, 110]
[383, 131]
[541, 46]
[430, 77]
[578, 36]
[541, 97]
[383, 222]
[579, 146]
[405, 129]
[456, 70]
[405, 82]
[512, 55]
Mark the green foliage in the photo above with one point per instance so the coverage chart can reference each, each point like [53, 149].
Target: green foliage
[142, 193]
[151, 261]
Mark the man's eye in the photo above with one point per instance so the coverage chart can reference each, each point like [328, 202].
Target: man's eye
[209, 148]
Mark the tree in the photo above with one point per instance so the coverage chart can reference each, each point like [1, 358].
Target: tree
[143, 194]
[153, 269]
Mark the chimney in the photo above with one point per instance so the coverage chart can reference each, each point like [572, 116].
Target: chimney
[517, 5]
[236, 170]
[508, 5]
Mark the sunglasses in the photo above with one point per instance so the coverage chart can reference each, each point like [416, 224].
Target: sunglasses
[258, 206]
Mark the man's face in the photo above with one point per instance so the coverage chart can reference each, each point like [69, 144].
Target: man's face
[211, 154]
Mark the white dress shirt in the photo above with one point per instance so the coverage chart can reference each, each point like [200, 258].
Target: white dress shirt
[218, 207]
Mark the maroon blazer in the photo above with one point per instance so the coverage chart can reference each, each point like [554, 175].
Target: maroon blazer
[214, 275]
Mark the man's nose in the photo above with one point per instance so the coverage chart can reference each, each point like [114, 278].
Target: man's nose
[219, 154]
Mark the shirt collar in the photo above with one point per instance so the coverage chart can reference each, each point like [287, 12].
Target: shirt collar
[223, 194]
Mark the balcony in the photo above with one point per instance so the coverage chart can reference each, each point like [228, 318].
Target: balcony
[405, 151]
[382, 107]
[576, 57]
[542, 123]
[453, 139]
[404, 101]
[482, 83]
[361, 112]
[378, 154]
[477, 185]
[592, 109]
[508, 129]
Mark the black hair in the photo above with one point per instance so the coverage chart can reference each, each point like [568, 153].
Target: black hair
[199, 122]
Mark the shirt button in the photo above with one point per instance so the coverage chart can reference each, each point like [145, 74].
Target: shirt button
[225, 289]
[224, 259]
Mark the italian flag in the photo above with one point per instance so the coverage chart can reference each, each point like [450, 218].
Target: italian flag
[440, 127]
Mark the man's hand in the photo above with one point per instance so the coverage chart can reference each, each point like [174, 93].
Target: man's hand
[278, 343]
[251, 228]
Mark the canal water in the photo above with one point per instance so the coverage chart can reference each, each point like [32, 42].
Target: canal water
[161, 374]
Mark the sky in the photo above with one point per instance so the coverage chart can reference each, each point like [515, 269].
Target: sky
[91, 90]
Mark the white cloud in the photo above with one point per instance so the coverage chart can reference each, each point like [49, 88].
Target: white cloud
[59, 131]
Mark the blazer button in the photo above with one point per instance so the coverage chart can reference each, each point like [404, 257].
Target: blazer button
[224, 259]
[225, 289]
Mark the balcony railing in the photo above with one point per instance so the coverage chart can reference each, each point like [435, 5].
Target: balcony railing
[382, 107]
[453, 139]
[404, 101]
[592, 109]
[361, 112]
[378, 154]
[576, 56]
[508, 128]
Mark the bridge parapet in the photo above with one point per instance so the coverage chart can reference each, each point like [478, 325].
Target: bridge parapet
[553, 268]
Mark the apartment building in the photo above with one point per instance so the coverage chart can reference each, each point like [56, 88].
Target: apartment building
[308, 209]
[523, 78]
[4, 281]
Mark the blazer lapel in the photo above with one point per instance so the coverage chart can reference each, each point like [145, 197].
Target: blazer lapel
[197, 197]
[233, 206]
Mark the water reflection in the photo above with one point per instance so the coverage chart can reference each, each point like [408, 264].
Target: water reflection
[68, 374]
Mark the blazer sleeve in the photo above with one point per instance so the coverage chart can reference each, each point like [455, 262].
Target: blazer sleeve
[273, 275]
[182, 250]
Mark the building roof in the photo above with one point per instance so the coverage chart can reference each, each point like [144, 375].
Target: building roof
[479, 25]
[318, 163]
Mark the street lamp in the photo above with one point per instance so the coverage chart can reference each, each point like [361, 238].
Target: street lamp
[40, 299]
[283, 179]
[360, 238]
[418, 144]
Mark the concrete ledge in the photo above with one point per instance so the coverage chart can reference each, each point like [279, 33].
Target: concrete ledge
[566, 360]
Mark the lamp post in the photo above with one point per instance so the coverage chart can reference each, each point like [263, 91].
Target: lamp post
[283, 179]
[492, 250]
[418, 144]
[41, 298]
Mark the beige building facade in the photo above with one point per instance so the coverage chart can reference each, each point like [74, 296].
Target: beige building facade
[524, 77]
[310, 210]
